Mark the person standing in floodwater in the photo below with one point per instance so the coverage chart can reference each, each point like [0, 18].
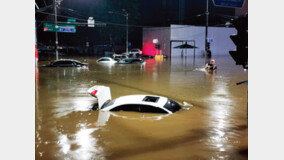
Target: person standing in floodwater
[210, 65]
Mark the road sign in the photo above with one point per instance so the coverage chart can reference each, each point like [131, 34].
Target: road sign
[91, 22]
[67, 28]
[155, 41]
[210, 40]
[229, 3]
[71, 20]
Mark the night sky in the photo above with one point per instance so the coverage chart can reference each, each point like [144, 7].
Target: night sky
[142, 14]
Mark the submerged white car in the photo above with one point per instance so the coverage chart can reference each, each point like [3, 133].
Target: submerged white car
[138, 103]
[106, 60]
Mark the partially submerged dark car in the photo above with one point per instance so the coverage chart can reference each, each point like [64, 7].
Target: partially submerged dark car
[146, 56]
[67, 63]
[130, 60]
[119, 57]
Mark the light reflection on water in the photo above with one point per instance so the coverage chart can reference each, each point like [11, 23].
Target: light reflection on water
[219, 118]
[84, 145]
[210, 127]
[64, 106]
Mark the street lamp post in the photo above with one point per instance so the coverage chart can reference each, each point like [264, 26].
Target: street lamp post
[56, 35]
[206, 27]
[126, 16]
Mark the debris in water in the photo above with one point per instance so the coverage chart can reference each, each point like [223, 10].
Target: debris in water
[187, 104]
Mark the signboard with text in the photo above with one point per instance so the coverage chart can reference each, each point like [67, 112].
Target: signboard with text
[67, 28]
[229, 3]
[210, 40]
[155, 41]
[71, 20]
[91, 22]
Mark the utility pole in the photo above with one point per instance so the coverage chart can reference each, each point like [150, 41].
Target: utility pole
[56, 35]
[126, 32]
[206, 27]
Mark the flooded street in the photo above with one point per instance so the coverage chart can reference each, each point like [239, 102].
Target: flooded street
[212, 123]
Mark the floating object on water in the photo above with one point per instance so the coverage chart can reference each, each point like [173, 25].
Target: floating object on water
[187, 104]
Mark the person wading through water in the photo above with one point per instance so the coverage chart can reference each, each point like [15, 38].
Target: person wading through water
[209, 64]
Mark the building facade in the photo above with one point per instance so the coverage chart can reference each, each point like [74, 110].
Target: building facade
[175, 35]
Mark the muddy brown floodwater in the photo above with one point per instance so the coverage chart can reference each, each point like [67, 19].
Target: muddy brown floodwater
[211, 125]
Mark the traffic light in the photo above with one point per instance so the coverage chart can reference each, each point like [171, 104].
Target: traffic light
[240, 55]
[208, 45]
[157, 46]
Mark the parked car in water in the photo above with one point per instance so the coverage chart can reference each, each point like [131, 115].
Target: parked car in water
[147, 56]
[106, 60]
[135, 51]
[119, 57]
[130, 55]
[66, 63]
[130, 61]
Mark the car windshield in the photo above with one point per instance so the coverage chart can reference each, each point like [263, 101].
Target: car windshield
[172, 106]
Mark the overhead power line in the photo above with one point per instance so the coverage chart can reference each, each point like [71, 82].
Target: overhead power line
[109, 23]
[61, 15]
[117, 24]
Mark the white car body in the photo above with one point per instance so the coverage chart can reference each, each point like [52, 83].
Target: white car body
[135, 51]
[106, 60]
[140, 103]
[135, 100]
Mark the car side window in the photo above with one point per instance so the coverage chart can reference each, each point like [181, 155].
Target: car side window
[104, 59]
[78, 63]
[70, 62]
[63, 63]
[67, 63]
[139, 108]
[55, 63]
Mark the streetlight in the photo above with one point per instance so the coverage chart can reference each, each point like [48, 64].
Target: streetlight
[206, 27]
[126, 16]
[56, 4]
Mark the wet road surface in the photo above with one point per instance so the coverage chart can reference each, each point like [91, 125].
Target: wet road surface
[211, 125]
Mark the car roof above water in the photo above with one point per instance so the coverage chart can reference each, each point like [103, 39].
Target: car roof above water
[62, 60]
[152, 100]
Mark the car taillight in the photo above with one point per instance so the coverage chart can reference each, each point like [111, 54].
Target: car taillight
[140, 52]
[94, 92]
[85, 66]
